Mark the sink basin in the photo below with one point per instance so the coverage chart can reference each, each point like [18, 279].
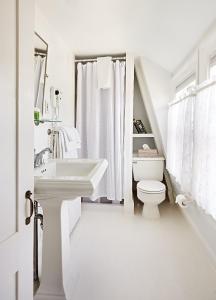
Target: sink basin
[68, 178]
[56, 181]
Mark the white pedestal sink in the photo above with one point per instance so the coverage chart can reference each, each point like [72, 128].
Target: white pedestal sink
[55, 182]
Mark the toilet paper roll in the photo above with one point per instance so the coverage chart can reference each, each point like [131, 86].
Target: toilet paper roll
[183, 200]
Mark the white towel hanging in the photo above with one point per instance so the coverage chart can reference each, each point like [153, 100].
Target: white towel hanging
[104, 72]
[66, 142]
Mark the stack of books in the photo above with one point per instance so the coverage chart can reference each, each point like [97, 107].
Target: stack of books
[138, 124]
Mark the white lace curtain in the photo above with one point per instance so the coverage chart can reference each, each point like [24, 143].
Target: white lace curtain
[204, 154]
[180, 142]
[192, 146]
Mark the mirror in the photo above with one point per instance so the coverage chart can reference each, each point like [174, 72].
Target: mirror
[40, 68]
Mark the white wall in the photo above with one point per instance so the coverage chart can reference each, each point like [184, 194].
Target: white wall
[60, 75]
[198, 61]
[139, 111]
[159, 85]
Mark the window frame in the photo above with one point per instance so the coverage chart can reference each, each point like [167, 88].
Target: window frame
[181, 89]
[212, 63]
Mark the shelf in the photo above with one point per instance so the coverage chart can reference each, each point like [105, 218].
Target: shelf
[143, 135]
[138, 158]
[37, 122]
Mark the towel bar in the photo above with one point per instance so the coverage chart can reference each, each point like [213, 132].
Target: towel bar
[50, 131]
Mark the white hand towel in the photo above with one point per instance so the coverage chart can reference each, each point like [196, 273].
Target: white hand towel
[67, 141]
[73, 136]
[104, 72]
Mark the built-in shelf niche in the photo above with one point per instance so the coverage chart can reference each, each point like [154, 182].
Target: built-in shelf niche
[143, 135]
[139, 113]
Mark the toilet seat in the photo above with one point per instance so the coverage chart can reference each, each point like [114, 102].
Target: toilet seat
[151, 187]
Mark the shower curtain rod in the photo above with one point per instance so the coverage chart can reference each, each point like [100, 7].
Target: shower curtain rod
[95, 59]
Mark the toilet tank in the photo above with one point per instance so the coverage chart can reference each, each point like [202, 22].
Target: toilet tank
[148, 168]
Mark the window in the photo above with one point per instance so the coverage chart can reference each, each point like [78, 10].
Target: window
[180, 142]
[184, 87]
[204, 162]
[212, 68]
[192, 144]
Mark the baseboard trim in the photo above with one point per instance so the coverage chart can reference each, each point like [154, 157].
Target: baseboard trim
[204, 227]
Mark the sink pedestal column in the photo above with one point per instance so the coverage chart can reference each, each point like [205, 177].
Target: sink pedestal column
[56, 280]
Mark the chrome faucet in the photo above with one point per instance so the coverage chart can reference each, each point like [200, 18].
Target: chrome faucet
[38, 158]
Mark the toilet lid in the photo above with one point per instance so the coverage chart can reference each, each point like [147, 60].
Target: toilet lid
[151, 186]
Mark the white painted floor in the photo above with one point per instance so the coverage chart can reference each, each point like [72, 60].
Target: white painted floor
[123, 257]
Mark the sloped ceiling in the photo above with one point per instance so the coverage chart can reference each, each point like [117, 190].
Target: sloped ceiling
[165, 31]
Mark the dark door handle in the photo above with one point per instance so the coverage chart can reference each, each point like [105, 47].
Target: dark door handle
[28, 196]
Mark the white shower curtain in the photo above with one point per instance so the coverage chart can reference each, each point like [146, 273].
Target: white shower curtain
[100, 122]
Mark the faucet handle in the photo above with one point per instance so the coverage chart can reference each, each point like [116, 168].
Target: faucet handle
[45, 157]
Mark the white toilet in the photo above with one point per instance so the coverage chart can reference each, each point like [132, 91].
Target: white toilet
[150, 190]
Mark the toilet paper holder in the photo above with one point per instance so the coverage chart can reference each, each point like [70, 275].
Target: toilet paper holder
[183, 200]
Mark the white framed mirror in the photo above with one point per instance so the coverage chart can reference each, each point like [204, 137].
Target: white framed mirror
[40, 71]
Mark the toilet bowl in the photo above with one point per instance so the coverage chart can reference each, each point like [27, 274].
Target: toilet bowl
[151, 193]
[148, 172]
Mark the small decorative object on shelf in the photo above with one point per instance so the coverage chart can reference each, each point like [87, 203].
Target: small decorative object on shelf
[138, 124]
[147, 151]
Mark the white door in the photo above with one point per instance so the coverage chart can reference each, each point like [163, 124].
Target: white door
[16, 148]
